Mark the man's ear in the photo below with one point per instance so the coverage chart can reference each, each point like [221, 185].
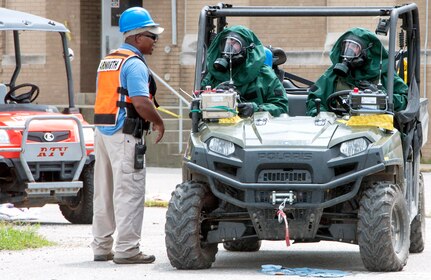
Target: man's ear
[136, 38]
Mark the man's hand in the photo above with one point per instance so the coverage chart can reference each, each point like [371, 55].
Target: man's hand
[145, 108]
[245, 110]
[160, 131]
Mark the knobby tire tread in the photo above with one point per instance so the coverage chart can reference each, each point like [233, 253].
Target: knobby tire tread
[374, 228]
[83, 212]
[417, 227]
[182, 228]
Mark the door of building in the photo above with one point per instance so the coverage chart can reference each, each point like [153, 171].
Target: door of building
[111, 11]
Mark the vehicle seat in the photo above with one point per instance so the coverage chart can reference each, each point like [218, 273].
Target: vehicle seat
[279, 58]
[287, 84]
[3, 92]
[297, 97]
[297, 103]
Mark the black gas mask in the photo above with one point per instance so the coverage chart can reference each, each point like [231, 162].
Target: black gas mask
[233, 50]
[353, 55]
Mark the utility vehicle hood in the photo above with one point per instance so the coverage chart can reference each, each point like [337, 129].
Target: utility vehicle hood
[265, 130]
[18, 119]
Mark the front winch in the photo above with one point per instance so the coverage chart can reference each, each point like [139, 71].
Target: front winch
[288, 197]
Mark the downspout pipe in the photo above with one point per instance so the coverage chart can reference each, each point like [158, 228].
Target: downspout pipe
[174, 21]
[426, 48]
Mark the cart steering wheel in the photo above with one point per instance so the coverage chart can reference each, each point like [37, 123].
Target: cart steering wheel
[26, 97]
[337, 104]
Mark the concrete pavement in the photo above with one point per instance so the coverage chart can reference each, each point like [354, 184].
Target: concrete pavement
[425, 167]
[161, 182]
[71, 258]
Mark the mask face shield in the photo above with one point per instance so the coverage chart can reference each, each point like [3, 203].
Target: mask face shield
[352, 57]
[231, 46]
[350, 49]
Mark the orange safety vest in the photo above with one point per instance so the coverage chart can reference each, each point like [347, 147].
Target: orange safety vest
[109, 89]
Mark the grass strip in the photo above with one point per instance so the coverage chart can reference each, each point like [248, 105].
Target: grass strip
[156, 203]
[21, 236]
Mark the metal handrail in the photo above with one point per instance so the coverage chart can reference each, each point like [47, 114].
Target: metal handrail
[171, 89]
[180, 108]
[181, 102]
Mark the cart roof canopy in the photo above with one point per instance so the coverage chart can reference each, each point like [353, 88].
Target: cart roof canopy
[16, 20]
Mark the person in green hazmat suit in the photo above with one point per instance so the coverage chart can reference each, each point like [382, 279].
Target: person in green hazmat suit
[356, 58]
[237, 53]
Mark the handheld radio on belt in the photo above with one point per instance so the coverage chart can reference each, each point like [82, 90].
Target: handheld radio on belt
[140, 149]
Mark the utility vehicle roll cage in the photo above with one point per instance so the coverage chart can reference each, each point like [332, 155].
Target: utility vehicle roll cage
[213, 20]
[17, 21]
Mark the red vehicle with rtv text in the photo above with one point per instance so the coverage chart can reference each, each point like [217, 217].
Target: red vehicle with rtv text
[46, 156]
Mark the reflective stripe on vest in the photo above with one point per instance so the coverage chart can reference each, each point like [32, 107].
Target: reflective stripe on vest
[109, 93]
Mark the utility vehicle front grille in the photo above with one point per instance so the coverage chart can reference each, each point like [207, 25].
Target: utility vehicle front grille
[39, 136]
[284, 176]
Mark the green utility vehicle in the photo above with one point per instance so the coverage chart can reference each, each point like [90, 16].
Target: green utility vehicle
[302, 178]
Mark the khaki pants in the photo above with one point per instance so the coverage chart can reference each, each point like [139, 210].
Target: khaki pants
[119, 196]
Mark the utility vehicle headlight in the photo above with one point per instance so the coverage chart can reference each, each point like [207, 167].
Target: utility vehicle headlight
[4, 137]
[221, 146]
[353, 147]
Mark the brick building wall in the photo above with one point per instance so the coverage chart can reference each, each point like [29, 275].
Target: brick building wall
[165, 58]
[90, 25]
[30, 50]
[68, 13]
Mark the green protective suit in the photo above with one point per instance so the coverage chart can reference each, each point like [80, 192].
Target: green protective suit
[329, 82]
[255, 81]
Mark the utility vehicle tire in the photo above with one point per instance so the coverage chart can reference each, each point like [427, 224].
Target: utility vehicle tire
[79, 210]
[245, 245]
[184, 228]
[417, 227]
[383, 228]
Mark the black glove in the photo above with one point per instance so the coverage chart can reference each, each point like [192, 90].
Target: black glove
[225, 86]
[364, 84]
[245, 110]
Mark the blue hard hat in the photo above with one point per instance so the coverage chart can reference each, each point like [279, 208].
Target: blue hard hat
[134, 18]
